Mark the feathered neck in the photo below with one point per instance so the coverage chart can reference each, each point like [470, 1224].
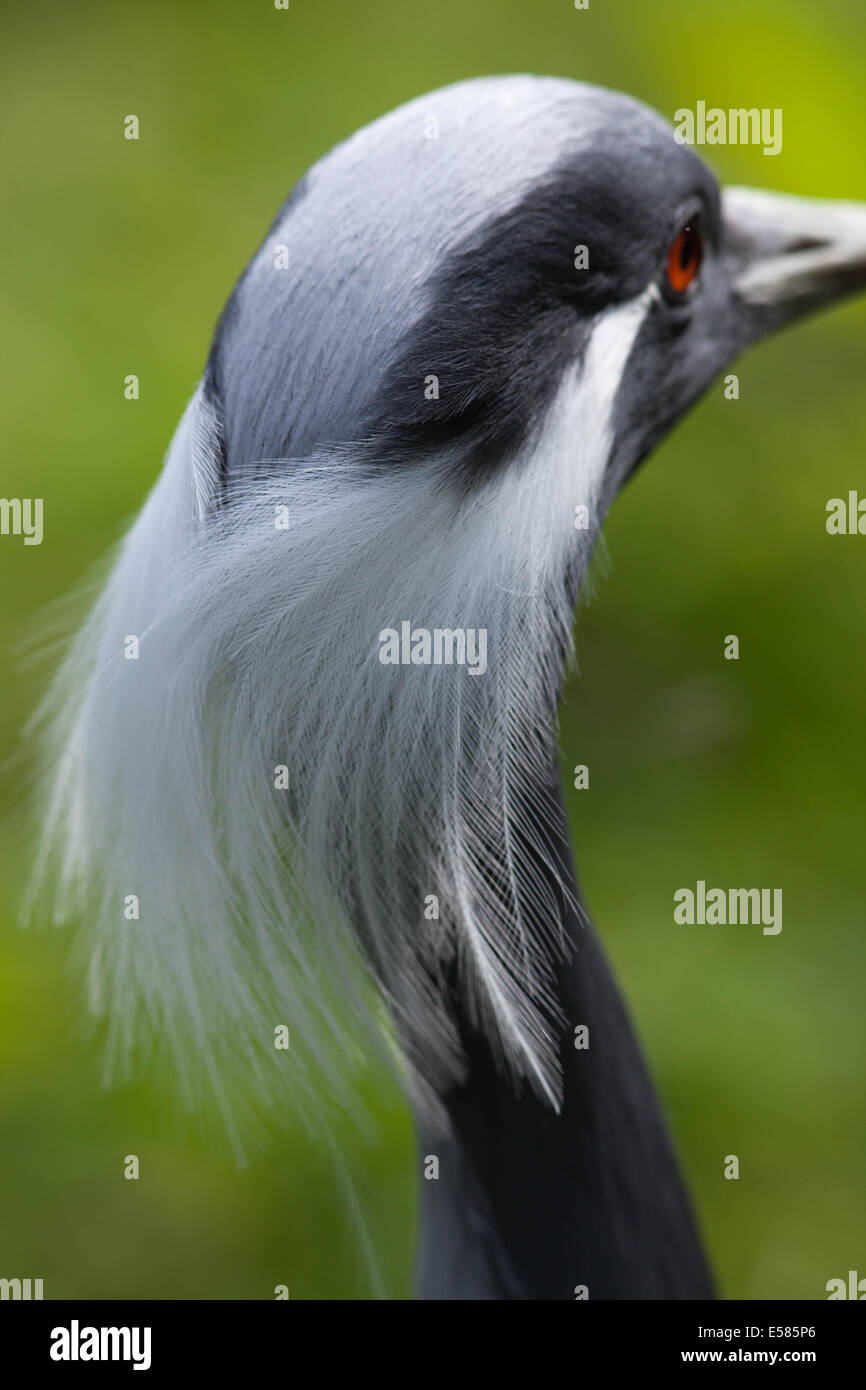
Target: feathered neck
[276, 796]
[519, 1201]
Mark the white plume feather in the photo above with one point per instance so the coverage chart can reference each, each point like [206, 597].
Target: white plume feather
[258, 648]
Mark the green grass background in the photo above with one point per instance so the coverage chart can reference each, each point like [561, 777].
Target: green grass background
[117, 258]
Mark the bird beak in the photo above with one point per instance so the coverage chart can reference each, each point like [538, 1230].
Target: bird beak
[790, 256]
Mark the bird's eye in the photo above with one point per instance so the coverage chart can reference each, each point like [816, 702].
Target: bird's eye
[684, 257]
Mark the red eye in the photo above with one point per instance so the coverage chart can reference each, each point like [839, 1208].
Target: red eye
[684, 257]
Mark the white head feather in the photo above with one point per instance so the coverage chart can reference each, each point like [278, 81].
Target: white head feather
[257, 649]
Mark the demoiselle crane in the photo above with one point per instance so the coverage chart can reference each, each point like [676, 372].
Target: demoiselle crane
[307, 738]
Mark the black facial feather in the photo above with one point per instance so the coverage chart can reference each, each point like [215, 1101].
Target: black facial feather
[509, 311]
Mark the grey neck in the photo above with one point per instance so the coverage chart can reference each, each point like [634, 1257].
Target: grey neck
[530, 1204]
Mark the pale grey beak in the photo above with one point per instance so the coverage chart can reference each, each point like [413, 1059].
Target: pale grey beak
[790, 256]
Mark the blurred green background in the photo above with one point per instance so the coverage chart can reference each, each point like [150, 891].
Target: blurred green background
[117, 258]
